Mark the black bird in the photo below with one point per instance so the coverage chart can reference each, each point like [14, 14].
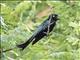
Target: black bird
[45, 28]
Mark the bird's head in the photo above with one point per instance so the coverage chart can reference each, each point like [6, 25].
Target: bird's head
[54, 17]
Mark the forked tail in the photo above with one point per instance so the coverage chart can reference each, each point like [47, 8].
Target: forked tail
[24, 45]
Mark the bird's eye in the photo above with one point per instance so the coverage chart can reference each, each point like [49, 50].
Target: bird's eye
[53, 16]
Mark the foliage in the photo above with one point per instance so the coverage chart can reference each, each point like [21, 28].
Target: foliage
[19, 19]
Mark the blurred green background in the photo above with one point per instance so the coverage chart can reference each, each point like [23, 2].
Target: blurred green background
[19, 19]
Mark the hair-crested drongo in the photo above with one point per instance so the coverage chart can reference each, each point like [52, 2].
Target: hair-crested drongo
[42, 30]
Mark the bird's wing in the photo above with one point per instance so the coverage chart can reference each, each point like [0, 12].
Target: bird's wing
[41, 27]
[40, 32]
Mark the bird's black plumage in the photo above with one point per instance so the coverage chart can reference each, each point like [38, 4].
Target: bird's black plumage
[42, 30]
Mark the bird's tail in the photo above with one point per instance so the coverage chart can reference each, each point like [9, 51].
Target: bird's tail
[24, 45]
